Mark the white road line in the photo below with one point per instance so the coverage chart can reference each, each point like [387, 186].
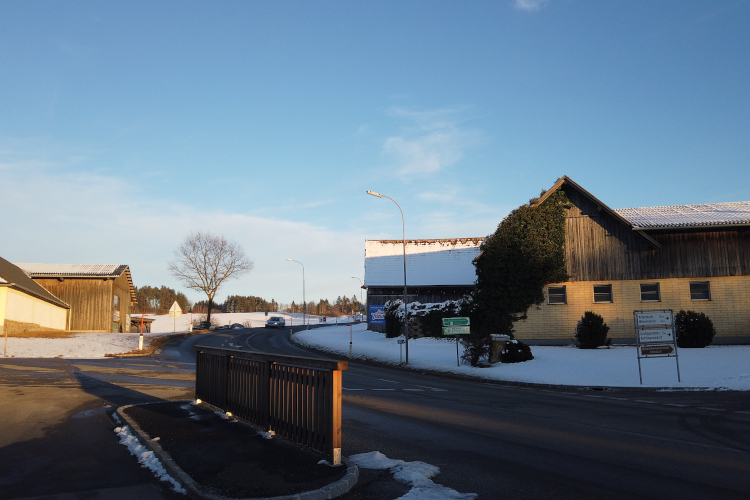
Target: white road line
[384, 389]
[414, 390]
[709, 409]
[644, 401]
[389, 381]
[347, 389]
[743, 412]
[675, 404]
[432, 388]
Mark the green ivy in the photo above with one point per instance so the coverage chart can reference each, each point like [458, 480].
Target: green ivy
[526, 253]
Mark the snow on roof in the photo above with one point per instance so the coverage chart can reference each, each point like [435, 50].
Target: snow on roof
[707, 214]
[428, 262]
[73, 270]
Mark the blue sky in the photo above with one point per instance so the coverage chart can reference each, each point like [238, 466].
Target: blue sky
[124, 126]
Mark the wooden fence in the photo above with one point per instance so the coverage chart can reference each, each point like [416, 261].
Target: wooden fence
[296, 398]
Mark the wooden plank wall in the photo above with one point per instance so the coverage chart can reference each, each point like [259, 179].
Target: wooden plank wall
[90, 301]
[600, 248]
[121, 288]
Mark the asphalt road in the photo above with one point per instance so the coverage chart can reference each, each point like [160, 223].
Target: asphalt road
[512, 442]
[57, 440]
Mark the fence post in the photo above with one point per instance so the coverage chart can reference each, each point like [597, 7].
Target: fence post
[335, 453]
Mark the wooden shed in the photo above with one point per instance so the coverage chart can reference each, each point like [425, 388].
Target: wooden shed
[100, 296]
[691, 257]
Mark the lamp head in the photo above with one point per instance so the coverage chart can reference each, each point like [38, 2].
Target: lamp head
[373, 193]
[290, 260]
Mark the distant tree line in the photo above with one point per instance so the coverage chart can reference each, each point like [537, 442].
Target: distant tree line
[158, 300]
[342, 306]
[153, 300]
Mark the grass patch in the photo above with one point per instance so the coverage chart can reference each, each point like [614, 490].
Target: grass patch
[43, 334]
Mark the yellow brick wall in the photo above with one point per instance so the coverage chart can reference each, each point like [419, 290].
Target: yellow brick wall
[729, 307]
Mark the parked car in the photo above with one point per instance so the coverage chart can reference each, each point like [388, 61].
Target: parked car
[275, 322]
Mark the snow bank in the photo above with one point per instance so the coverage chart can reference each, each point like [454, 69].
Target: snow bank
[146, 457]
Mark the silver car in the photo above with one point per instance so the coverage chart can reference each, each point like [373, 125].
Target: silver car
[275, 322]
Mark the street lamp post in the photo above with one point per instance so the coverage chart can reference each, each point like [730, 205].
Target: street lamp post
[403, 228]
[304, 303]
[361, 286]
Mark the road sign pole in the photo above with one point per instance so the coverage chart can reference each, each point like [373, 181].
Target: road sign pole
[458, 362]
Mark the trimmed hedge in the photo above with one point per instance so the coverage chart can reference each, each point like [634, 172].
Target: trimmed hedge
[591, 332]
[516, 352]
[693, 329]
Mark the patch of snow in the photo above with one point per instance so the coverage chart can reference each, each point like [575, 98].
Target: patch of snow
[418, 475]
[146, 457]
[266, 435]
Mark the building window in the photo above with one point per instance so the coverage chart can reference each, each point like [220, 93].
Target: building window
[700, 290]
[650, 292]
[556, 295]
[602, 293]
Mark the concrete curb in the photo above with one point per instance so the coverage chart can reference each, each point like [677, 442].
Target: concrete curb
[195, 491]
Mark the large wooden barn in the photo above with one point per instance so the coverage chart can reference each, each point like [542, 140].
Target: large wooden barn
[25, 305]
[691, 257]
[100, 295]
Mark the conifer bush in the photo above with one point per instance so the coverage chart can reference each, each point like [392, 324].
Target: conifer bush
[693, 329]
[591, 332]
[515, 352]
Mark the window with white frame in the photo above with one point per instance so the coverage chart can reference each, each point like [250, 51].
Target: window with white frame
[700, 290]
[556, 295]
[602, 293]
[650, 292]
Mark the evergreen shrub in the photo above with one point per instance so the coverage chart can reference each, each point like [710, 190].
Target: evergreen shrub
[394, 319]
[591, 332]
[515, 352]
[693, 329]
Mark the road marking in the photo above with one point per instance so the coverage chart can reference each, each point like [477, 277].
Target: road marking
[414, 390]
[743, 412]
[432, 388]
[675, 404]
[644, 401]
[389, 381]
[709, 409]
[384, 389]
[347, 389]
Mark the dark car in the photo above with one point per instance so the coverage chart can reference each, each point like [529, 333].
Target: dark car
[275, 322]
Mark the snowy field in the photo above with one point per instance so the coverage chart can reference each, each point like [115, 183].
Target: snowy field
[715, 367]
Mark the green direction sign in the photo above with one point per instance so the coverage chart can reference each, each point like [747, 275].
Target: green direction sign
[456, 322]
[456, 330]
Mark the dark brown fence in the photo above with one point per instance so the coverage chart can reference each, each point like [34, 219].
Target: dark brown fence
[297, 398]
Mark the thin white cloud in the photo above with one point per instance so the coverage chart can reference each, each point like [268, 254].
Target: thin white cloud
[64, 216]
[530, 5]
[431, 142]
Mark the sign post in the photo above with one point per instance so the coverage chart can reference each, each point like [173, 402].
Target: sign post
[655, 336]
[456, 327]
[175, 312]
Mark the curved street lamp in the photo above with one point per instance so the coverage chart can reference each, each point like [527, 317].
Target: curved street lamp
[304, 303]
[403, 228]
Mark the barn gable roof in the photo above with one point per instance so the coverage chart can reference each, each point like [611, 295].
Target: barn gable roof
[38, 270]
[13, 276]
[438, 262]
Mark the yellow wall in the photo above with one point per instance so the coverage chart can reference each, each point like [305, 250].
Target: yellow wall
[27, 309]
[3, 301]
[729, 307]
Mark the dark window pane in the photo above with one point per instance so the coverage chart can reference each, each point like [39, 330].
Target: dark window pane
[556, 295]
[650, 292]
[700, 290]
[602, 293]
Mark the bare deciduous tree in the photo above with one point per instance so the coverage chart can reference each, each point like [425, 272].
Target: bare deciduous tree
[204, 261]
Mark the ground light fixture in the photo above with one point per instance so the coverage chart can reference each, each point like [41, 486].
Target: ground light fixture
[403, 228]
[304, 303]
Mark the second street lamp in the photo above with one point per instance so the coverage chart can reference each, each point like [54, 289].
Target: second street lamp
[403, 228]
[304, 303]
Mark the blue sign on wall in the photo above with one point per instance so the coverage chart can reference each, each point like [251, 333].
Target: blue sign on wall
[377, 315]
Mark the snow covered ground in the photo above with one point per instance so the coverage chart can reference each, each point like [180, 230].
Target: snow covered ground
[715, 367]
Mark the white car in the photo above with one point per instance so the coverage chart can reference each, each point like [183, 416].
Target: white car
[275, 322]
